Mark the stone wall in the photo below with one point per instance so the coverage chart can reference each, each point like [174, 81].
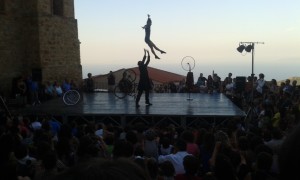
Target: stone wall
[31, 37]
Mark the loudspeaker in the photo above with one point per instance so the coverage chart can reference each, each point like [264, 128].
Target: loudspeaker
[240, 83]
[36, 74]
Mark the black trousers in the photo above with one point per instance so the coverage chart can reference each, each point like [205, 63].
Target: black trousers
[138, 97]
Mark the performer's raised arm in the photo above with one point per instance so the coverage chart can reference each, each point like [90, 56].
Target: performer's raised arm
[148, 59]
[144, 57]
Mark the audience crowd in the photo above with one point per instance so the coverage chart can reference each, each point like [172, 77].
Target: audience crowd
[262, 146]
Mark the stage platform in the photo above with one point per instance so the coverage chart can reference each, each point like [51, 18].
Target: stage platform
[180, 109]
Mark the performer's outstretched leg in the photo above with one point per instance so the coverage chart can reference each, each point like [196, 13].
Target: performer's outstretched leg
[152, 50]
[152, 47]
[161, 51]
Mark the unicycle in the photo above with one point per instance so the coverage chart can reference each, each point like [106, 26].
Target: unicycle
[71, 97]
[126, 85]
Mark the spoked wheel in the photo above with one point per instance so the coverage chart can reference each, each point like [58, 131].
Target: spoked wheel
[71, 97]
[130, 75]
[119, 93]
[188, 63]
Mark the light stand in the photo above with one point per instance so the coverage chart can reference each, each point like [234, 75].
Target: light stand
[5, 107]
[249, 48]
[190, 79]
[188, 63]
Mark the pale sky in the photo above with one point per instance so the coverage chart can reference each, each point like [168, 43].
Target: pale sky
[209, 31]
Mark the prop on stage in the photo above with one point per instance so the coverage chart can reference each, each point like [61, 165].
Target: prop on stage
[188, 63]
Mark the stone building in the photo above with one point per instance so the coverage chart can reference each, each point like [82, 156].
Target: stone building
[158, 77]
[38, 38]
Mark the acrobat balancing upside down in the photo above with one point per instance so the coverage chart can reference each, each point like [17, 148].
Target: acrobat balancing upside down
[152, 46]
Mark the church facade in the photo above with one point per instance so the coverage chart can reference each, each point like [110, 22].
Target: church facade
[38, 38]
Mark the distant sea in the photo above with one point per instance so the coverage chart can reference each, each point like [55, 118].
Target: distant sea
[281, 72]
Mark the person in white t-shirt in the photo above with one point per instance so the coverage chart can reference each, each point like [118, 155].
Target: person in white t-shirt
[177, 158]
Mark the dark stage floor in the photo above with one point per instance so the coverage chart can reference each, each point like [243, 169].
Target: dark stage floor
[170, 105]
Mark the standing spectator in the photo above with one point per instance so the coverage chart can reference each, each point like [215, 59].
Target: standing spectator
[201, 82]
[209, 84]
[216, 82]
[288, 87]
[33, 88]
[260, 83]
[274, 87]
[111, 81]
[89, 83]
[227, 80]
[295, 89]
[22, 90]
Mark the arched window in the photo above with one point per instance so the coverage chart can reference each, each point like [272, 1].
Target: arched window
[58, 7]
[2, 6]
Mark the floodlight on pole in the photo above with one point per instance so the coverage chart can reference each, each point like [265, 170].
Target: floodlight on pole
[241, 48]
[248, 47]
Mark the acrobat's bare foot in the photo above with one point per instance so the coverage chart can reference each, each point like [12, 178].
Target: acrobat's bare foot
[163, 52]
[156, 57]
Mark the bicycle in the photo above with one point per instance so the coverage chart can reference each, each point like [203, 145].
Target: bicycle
[126, 85]
[71, 97]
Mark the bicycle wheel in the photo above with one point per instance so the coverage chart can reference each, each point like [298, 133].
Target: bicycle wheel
[130, 75]
[119, 92]
[71, 97]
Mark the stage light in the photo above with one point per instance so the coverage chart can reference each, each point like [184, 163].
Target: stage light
[241, 48]
[249, 48]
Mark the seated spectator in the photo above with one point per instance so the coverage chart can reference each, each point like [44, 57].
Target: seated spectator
[151, 144]
[191, 166]
[288, 87]
[124, 169]
[192, 147]
[165, 146]
[263, 166]
[26, 164]
[58, 89]
[50, 92]
[166, 171]
[66, 86]
[177, 158]
[122, 149]
[289, 157]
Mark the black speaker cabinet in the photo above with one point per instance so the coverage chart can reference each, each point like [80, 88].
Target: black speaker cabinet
[240, 83]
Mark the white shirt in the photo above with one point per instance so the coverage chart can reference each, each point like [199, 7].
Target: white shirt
[99, 133]
[260, 85]
[176, 160]
[36, 125]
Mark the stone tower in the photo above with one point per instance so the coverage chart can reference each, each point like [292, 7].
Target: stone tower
[38, 38]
